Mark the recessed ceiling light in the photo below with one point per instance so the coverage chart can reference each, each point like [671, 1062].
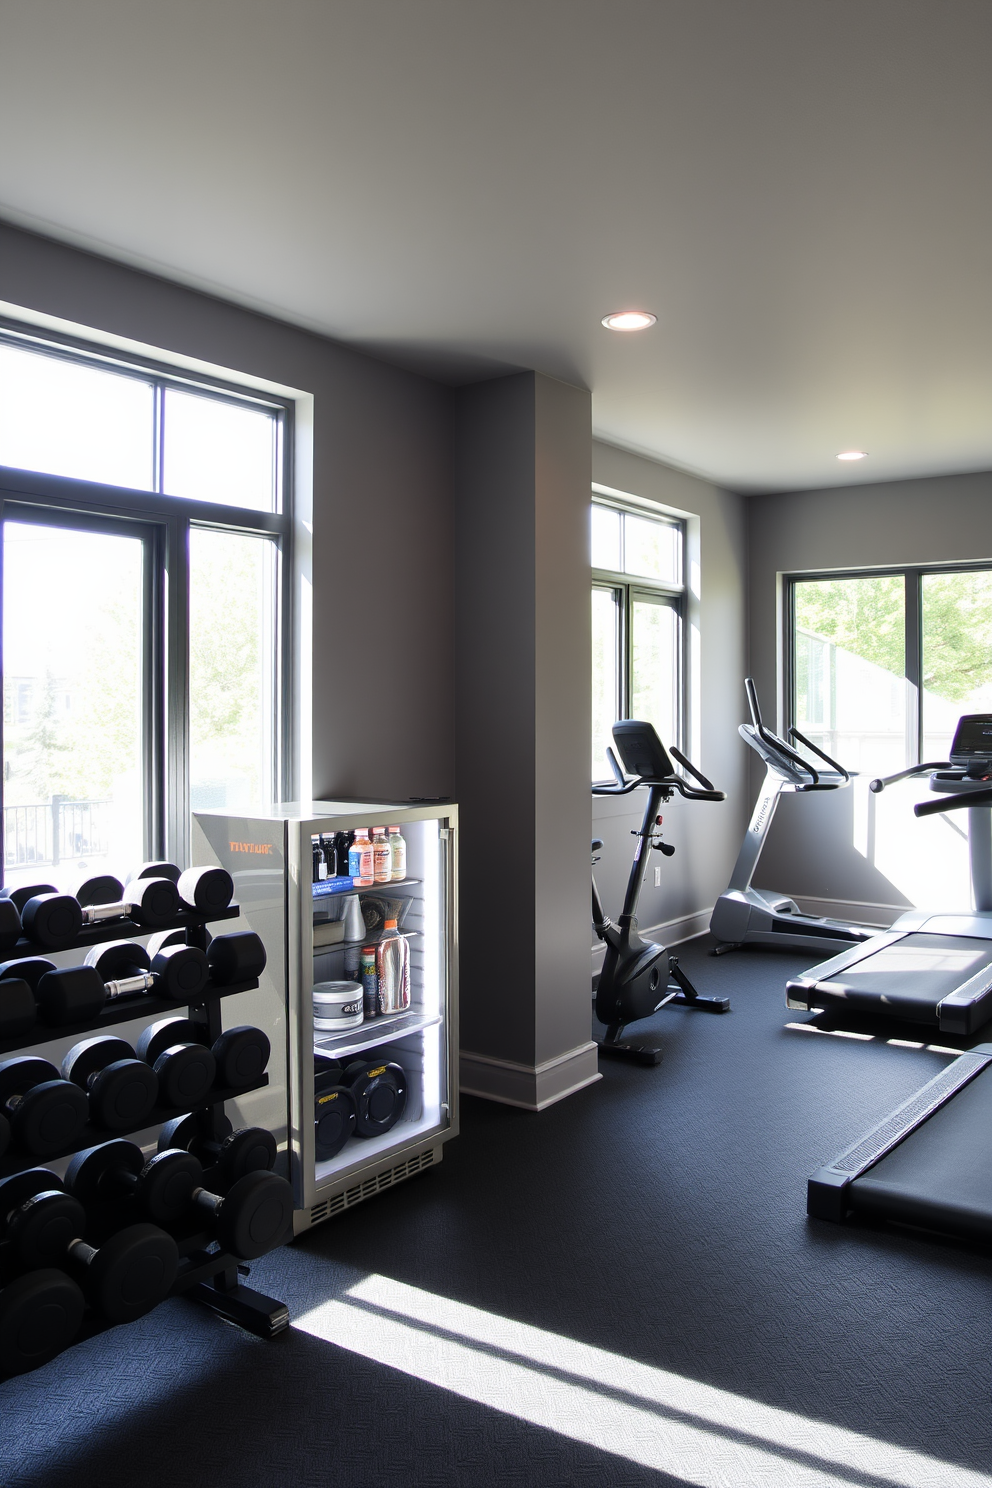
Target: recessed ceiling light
[629, 320]
[853, 455]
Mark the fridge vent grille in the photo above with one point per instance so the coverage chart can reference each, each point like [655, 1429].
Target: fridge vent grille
[372, 1186]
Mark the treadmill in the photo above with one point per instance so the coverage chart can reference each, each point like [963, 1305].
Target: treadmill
[928, 1164]
[747, 916]
[934, 969]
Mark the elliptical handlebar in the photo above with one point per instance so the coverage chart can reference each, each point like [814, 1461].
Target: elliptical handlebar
[924, 769]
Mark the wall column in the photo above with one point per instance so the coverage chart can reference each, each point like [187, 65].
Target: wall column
[522, 623]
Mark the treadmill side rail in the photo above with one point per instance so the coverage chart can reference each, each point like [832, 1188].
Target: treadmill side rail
[799, 991]
[826, 1190]
[968, 1006]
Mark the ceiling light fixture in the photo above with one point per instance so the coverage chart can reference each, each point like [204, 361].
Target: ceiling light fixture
[853, 455]
[629, 320]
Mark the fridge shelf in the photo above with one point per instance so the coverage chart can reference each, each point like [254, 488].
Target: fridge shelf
[322, 888]
[346, 945]
[370, 1035]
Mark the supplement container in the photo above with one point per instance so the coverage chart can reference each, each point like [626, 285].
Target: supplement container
[337, 1006]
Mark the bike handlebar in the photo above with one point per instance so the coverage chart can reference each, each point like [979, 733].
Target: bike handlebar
[623, 787]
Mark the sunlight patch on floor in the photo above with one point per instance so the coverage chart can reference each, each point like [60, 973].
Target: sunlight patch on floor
[695, 1432]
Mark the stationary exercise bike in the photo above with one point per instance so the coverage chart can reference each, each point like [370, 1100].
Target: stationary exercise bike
[638, 976]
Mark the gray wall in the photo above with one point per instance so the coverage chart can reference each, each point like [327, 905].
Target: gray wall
[523, 695]
[946, 519]
[706, 836]
[382, 510]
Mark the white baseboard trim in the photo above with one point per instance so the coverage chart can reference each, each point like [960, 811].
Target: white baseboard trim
[533, 1087]
[860, 912]
[670, 932]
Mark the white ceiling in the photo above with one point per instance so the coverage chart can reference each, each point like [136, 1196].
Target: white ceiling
[799, 189]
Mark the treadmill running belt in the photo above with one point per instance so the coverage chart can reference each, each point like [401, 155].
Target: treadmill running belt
[916, 972]
[940, 1177]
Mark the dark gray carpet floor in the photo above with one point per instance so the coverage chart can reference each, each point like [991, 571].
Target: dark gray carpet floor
[657, 1217]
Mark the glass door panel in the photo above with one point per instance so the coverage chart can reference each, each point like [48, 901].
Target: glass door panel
[232, 683]
[73, 660]
[654, 665]
[606, 702]
[852, 697]
[956, 626]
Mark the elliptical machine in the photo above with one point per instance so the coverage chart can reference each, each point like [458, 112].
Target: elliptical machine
[638, 976]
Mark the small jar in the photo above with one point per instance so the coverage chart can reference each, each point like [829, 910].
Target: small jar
[337, 1006]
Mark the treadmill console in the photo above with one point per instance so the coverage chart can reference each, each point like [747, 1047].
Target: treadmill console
[972, 744]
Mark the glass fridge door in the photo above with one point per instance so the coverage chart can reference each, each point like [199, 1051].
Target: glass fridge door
[379, 996]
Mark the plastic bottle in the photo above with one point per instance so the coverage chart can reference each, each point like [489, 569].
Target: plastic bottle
[327, 853]
[397, 855]
[381, 865]
[370, 983]
[360, 859]
[342, 846]
[392, 962]
[317, 860]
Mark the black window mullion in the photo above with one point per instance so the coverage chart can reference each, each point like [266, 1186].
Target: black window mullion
[175, 690]
[914, 656]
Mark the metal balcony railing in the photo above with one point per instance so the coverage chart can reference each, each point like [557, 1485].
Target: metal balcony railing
[54, 832]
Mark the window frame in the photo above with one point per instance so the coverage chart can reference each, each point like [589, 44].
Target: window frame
[627, 589]
[913, 575]
[165, 521]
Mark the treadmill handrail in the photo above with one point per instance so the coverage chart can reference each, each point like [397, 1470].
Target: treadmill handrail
[924, 769]
[826, 758]
[953, 803]
[774, 743]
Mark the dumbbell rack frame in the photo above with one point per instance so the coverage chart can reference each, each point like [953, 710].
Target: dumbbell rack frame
[207, 1274]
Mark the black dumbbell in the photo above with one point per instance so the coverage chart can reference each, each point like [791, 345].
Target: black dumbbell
[46, 1113]
[252, 1218]
[333, 1108]
[177, 971]
[51, 919]
[251, 1149]
[240, 1054]
[10, 925]
[379, 1091]
[160, 1186]
[40, 1315]
[122, 1089]
[104, 889]
[18, 994]
[206, 890]
[44, 1226]
[120, 968]
[146, 901]
[186, 1069]
[154, 870]
[236, 958]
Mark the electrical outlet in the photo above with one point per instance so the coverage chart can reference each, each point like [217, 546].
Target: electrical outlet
[657, 878]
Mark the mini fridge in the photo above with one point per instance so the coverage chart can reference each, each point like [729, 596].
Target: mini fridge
[315, 924]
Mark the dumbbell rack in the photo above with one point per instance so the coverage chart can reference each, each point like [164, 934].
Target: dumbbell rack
[206, 1273]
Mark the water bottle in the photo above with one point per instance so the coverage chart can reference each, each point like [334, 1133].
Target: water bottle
[392, 962]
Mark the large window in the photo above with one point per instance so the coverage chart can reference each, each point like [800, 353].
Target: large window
[145, 611]
[638, 597]
[884, 664]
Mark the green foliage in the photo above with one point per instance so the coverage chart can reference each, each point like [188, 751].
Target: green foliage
[865, 616]
[957, 634]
